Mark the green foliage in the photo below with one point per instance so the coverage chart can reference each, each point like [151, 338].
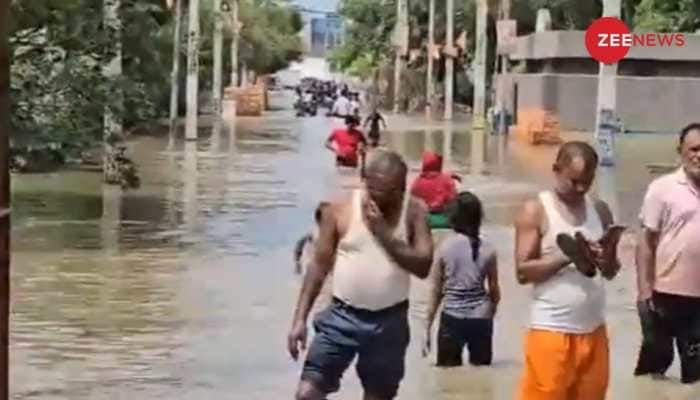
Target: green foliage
[59, 47]
[667, 16]
[270, 37]
[368, 36]
[57, 87]
[566, 14]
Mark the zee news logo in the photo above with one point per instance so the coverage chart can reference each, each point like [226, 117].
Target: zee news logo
[608, 40]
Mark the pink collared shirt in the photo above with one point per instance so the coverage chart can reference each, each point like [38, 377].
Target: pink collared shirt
[672, 208]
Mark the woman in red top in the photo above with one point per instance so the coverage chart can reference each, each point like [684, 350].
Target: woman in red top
[435, 188]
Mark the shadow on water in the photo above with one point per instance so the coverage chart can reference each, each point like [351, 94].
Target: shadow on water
[184, 288]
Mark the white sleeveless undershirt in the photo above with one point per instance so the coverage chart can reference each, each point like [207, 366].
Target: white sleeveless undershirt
[568, 302]
[364, 275]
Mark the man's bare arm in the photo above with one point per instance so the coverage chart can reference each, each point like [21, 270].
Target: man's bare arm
[416, 256]
[646, 262]
[324, 255]
[530, 266]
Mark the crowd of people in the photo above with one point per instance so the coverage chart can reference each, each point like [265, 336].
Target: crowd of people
[339, 101]
[565, 249]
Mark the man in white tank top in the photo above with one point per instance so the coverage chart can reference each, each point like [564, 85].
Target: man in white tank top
[566, 347]
[373, 242]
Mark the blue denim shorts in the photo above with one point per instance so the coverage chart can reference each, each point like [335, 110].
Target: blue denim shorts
[379, 339]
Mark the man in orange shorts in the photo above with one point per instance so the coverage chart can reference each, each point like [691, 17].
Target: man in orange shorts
[566, 346]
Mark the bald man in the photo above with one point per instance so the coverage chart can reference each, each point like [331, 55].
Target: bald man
[373, 242]
[566, 347]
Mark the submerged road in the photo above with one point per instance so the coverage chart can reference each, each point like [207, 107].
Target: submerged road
[184, 288]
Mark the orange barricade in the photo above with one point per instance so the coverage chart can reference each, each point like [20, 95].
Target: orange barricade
[537, 126]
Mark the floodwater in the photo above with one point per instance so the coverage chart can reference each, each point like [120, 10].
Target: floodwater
[184, 289]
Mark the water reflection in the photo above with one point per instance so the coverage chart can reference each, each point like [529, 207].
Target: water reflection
[190, 177]
[478, 153]
[111, 218]
[215, 140]
[447, 148]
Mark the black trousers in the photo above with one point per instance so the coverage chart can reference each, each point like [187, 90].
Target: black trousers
[455, 333]
[673, 319]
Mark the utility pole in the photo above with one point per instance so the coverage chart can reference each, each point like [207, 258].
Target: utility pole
[192, 71]
[606, 119]
[449, 62]
[502, 125]
[430, 82]
[234, 44]
[401, 46]
[217, 88]
[4, 200]
[175, 74]
[112, 72]
[479, 129]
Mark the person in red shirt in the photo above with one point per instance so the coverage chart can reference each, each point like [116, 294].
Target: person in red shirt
[347, 144]
[435, 188]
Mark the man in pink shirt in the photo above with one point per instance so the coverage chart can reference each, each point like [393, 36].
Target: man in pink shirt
[668, 266]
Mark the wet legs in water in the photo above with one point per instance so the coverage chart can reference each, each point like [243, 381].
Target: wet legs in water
[308, 391]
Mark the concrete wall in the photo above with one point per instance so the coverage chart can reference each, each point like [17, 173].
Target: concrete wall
[646, 104]
[625, 67]
[572, 44]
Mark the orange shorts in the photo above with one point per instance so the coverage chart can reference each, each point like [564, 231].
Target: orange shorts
[562, 366]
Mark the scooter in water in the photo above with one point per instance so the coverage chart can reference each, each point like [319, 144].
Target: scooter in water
[307, 108]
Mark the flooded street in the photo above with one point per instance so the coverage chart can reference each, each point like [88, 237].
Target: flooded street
[184, 288]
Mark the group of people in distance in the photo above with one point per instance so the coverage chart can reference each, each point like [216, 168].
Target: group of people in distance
[565, 248]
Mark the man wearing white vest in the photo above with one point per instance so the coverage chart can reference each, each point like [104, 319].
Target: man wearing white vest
[373, 242]
[566, 347]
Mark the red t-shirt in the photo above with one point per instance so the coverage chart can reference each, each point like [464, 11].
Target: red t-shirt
[347, 143]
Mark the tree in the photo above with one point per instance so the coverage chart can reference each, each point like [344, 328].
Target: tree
[4, 203]
[58, 47]
[370, 24]
[270, 36]
[667, 16]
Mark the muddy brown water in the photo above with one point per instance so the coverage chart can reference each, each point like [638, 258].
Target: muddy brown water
[184, 288]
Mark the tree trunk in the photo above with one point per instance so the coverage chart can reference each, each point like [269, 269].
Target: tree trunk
[175, 74]
[479, 136]
[449, 62]
[607, 98]
[4, 199]
[430, 80]
[192, 71]
[401, 44]
[112, 71]
[234, 45]
[216, 86]
[502, 88]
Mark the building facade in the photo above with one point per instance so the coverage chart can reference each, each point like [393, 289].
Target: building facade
[658, 88]
[323, 27]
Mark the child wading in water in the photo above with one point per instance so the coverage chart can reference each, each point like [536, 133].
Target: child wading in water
[465, 281]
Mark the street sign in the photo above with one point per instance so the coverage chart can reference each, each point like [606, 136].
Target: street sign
[507, 32]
